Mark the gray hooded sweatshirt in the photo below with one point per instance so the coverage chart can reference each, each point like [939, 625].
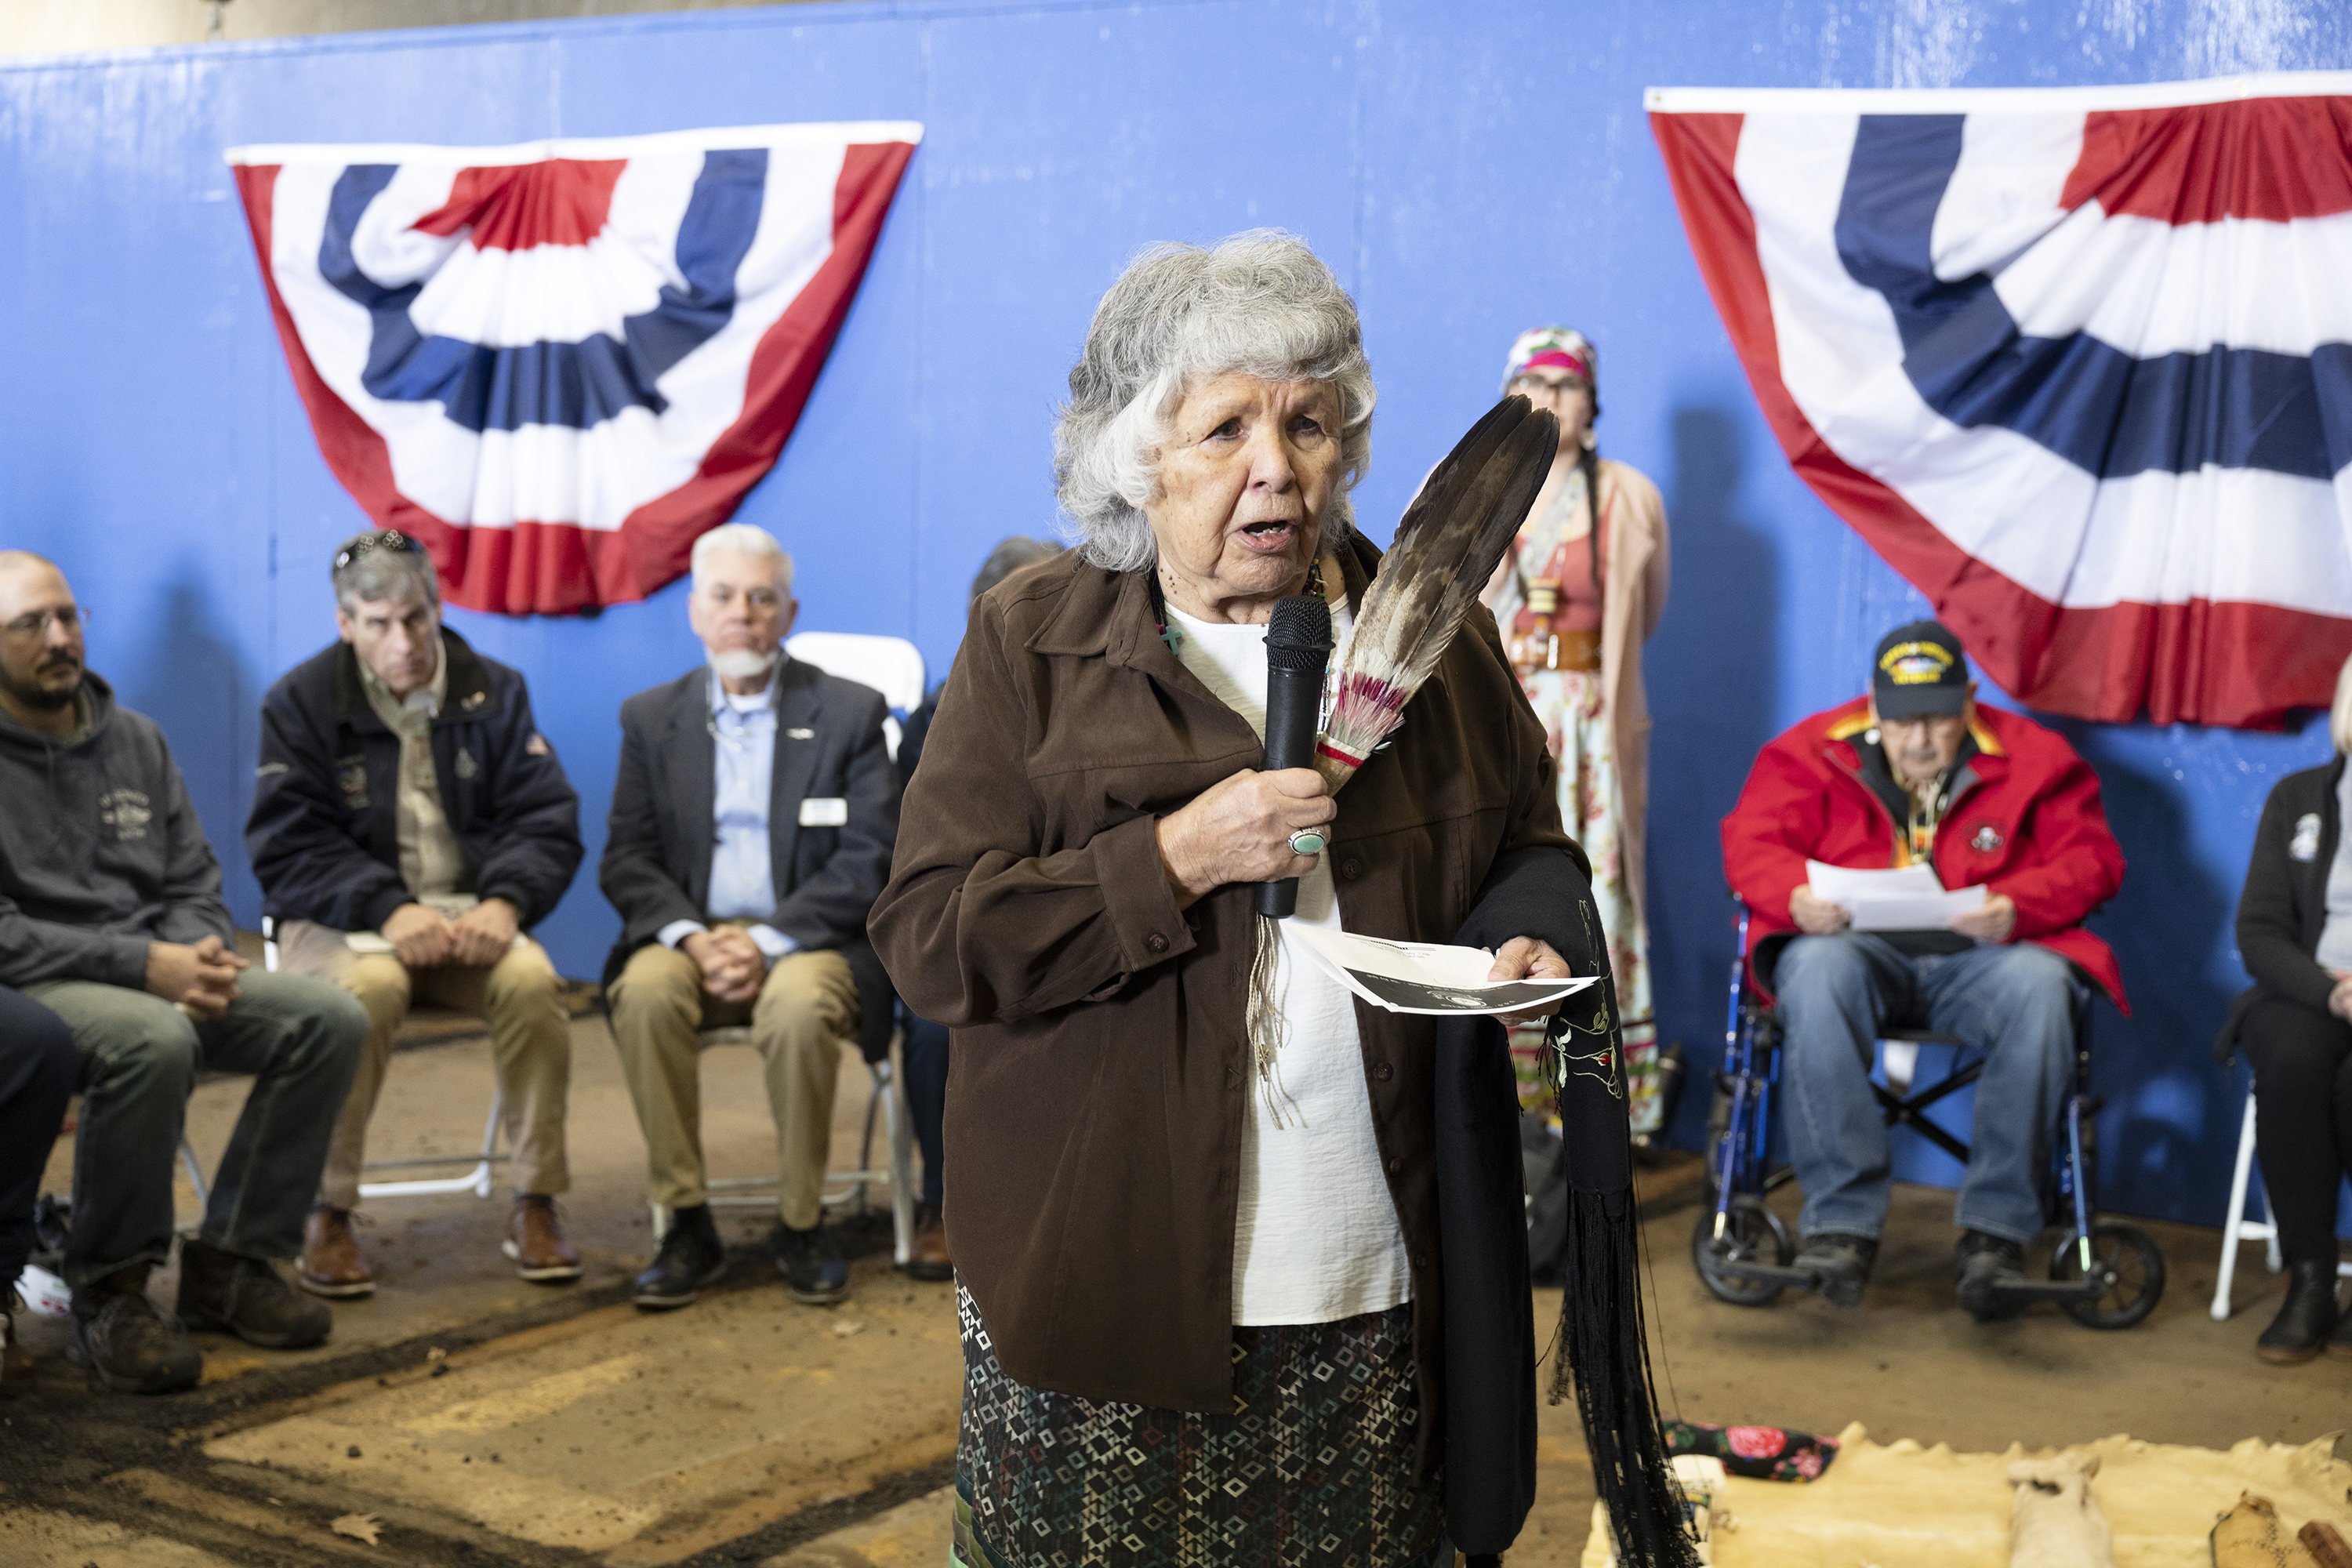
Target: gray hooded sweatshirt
[101, 852]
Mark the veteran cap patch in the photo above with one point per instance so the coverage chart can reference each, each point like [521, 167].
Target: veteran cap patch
[1919, 670]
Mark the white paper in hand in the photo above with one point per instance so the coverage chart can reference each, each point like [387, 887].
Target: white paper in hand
[1426, 977]
[1910, 898]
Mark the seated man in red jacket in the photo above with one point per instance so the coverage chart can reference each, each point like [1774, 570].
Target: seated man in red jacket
[1917, 773]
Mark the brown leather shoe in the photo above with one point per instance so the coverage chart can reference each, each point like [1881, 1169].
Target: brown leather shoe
[331, 1265]
[927, 1255]
[542, 1254]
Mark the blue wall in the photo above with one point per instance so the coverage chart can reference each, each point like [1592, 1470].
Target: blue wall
[1469, 172]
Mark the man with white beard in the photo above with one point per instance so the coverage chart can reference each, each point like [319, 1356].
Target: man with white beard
[752, 821]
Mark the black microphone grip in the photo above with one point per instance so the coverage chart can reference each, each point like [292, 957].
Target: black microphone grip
[1297, 648]
[1294, 702]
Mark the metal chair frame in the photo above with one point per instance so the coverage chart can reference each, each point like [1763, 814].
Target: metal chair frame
[477, 1181]
[888, 1100]
[2236, 1227]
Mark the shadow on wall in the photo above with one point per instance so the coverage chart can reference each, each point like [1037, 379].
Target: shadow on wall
[183, 674]
[1712, 671]
[2170, 1124]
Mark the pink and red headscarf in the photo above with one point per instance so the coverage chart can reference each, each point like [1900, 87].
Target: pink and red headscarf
[1542, 348]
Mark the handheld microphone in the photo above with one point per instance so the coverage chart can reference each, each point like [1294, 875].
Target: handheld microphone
[1297, 649]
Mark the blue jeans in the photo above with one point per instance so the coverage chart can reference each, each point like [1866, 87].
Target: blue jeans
[2015, 1004]
[297, 1037]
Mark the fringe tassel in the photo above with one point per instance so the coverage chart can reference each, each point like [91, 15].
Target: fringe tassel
[1269, 1030]
[1604, 1343]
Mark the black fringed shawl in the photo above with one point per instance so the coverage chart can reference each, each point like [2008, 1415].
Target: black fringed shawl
[1489, 1340]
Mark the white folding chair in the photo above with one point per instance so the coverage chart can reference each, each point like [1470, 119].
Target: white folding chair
[2236, 1227]
[476, 1181]
[891, 666]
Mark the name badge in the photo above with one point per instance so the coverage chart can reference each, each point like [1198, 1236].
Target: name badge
[830, 811]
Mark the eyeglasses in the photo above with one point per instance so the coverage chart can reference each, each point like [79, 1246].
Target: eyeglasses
[1533, 388]
[68, 617]
[390, 538]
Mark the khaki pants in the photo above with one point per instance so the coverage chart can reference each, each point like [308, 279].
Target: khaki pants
[805, 1010]
[530, 1047]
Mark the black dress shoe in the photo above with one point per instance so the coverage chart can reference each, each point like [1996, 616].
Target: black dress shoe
[128, 1345]
[690, 1257]
[1985, 1264]
[811, 1262]
[247, 1297]
[2301, 1329]
[1840, 1265]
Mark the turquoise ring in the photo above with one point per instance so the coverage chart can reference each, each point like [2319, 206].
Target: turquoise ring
[1307, 841]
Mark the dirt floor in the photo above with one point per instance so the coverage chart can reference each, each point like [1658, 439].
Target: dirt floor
[463, 1417]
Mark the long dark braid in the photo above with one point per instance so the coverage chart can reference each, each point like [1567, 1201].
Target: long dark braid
[1589, 460]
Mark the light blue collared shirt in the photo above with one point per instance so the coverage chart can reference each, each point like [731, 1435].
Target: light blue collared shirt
[742, 876]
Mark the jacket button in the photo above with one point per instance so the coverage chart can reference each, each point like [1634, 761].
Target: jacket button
[1421, 1261]
[1351, 868]
[1383, 1072]
[1156, 942]
[1396, 1166]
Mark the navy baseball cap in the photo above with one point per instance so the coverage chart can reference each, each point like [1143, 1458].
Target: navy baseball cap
[1919, 671]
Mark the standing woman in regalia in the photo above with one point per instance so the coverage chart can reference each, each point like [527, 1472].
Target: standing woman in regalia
[1577, 594]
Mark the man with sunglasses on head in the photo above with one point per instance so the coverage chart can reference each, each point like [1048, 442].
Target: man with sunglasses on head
[753, 817]
[409, 822]
[110, 916]
[1914, 773]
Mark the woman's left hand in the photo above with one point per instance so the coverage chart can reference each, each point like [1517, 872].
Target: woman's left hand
[1528, 958]
[2339, 1001]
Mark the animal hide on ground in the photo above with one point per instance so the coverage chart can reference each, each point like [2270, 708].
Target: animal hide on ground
[2054, 1522]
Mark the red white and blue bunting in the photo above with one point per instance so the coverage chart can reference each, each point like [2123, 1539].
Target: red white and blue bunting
[2077, 363]
[558, 364]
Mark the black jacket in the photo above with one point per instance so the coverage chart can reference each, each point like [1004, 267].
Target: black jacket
[324, 831]
[829, 745]
[2284, 906]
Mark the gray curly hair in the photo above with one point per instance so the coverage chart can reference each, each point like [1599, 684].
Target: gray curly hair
[1260, 303]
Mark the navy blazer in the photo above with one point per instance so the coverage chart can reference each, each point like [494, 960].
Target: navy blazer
[660, 836]
[324, 831]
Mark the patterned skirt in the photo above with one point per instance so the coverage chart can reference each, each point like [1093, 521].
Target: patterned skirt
[1576, 719]
[1313, 1468]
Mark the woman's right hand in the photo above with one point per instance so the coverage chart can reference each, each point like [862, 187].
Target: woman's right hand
[1238, 830]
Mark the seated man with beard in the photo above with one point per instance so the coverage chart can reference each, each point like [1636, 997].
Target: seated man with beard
[110, 916]
[752, 821]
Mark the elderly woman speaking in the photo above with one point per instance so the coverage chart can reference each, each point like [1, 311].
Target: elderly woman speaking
[1199, 1299]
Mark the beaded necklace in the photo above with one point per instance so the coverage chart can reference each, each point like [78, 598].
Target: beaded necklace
[1173, 635]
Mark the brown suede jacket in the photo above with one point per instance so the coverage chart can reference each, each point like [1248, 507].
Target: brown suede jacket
[1101, 1070]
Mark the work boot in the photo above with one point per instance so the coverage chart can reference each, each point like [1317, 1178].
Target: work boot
[128, 1345]
[542, 1254]
[247, 1297]
[2340, 1342]
[2301, 1329]
[927, 1255]
[331, 1265]
[1985, 1264]
[690, 1259]
[15, 1362]
[811, 1262]
[1840, 1264]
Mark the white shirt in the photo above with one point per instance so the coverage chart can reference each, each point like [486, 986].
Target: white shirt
[1317, 1238]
